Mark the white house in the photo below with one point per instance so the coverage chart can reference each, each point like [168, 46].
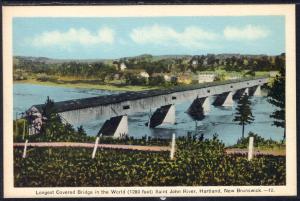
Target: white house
[167, 78]
[207, 77]
[144, 74]
[194, 62]
[123, 66]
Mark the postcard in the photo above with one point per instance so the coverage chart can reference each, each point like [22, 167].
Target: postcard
[149, 101]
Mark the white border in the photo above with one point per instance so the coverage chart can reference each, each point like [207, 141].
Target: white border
[148, 11]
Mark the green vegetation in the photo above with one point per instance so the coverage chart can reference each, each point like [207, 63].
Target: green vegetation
[243, 113]
[276, 96]
[125, 73]
[196, 163]
[88, 84]
[259, 143]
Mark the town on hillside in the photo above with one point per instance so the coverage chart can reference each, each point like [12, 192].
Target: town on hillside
[147, 70]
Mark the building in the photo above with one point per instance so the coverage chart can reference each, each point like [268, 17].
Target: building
[194, 62]
[167, 78]
[144, 74]
[204, 77]
[123, 66]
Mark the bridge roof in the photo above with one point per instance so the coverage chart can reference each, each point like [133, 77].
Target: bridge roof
[77, 104]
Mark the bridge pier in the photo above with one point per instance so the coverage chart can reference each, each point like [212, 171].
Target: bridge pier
[163, 115]
[239, 93]
[116, 127]
[224, 99]
[199, 108]
[255, 91]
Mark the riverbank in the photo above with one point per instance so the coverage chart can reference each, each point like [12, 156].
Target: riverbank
[87, 84]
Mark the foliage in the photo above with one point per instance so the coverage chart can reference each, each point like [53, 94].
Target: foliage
[259, 142]
[220, 77]
[129, 140]
[106, 70]
[249, 73]
[20, 127]
[133, 79]
[44, 77]
[276, 96]
[243, 113]
[197, 163]
[20, 75]
[157, 80]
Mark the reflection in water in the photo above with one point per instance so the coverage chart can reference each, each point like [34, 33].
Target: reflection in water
[219, 120]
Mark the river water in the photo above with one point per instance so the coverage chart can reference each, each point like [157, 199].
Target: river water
[218, 121]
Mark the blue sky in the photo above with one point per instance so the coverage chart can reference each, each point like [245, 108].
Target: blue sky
[90, 38]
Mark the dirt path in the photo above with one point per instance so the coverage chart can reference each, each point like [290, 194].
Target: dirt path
[139, 147]
[91, 145]
[256, 152]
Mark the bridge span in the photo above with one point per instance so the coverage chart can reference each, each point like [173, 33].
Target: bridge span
[163, 101]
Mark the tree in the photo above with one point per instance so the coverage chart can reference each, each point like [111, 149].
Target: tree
[243, 112]
[276, 96]
[52, 123]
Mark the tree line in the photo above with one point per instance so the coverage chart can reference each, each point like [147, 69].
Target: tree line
[102, 70]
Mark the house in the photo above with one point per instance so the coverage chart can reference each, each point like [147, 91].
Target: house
[167, 78]
[194, 62]
[233, 77]
[204, 77]
[123, 66]
[144, 74]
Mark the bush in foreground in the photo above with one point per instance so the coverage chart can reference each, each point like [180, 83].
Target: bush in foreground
[196, 163]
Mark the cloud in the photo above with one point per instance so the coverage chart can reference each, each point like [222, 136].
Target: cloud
[190, 37]
[248, 32]
[73, 36]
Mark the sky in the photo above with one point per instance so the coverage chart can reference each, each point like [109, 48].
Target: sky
[111, 38]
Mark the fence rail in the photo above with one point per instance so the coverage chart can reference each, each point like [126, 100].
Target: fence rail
[228, 151]
[91, 145]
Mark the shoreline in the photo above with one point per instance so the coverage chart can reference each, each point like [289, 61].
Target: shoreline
[107, 87]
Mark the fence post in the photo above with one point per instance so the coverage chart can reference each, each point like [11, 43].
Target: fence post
[250, 148]
[24, 130]
[16, 124]
[25, 149]
[172, 152]
[95, 147]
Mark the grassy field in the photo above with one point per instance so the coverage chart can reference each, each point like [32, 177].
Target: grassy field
[88, 84]
[117, 85]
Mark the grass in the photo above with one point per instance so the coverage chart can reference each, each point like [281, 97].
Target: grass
[88, 84]
[115, 85]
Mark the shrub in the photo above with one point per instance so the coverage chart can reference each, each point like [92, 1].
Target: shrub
[44, 77]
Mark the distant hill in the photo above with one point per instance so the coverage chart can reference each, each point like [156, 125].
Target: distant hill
[139, 57]
[57, 61]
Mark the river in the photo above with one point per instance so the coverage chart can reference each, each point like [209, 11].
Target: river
[218, 121]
